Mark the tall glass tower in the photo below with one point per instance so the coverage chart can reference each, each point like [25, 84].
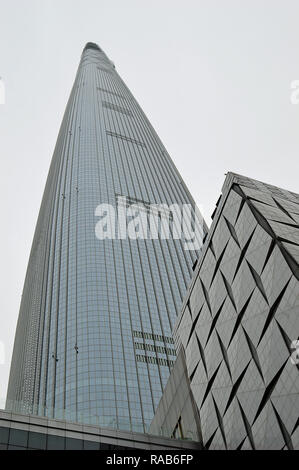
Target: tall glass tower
[94, 335]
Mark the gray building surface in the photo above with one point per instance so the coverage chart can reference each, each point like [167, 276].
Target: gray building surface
[24, 432]
[240, 320]
[177, 415]
[94, 336]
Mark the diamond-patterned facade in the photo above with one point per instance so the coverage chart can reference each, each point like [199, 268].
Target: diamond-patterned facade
[240, 318]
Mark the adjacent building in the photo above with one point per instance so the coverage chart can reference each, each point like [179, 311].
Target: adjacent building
[238, 330]
[94, 336]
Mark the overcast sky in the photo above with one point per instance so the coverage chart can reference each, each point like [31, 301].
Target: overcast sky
[213, 77]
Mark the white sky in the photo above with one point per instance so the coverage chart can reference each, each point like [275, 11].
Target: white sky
[213, 77]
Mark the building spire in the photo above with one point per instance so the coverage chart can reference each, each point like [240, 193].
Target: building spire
[92, 45]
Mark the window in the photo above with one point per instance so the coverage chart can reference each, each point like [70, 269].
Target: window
[73, 444]
[4, 432]
[18, 438]
[37, 440]
[89, 445]
[56, 443]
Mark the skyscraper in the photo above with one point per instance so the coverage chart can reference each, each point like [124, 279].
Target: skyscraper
[94, 335]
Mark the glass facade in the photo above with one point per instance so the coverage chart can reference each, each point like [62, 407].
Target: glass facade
[21, 432]
[94, 336]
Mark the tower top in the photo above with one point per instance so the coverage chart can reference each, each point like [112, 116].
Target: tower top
[92, 45]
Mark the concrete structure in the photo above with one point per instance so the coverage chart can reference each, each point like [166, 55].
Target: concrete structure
[239, 325]
[21, 432]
